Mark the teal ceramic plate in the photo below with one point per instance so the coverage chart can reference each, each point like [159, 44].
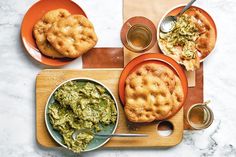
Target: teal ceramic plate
[97, 142]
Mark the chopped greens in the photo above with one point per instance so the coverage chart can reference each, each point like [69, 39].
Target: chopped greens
[81, 105]
[184, 35]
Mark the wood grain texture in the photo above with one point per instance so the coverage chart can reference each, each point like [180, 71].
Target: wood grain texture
[195, 94]
[47, 80]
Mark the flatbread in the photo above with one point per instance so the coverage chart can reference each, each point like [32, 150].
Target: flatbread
[206, 42]
[42, 26]
[152, 92]
[72, 36]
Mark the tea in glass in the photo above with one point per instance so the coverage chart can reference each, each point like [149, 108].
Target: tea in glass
[138, 37]
[200, 116]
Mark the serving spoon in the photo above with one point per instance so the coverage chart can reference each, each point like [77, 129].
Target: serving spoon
[106, 135]
[169, 22]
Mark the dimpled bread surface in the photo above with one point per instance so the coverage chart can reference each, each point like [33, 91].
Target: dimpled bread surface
[42, 26]
[72, 36]
[152, 92]
[206, 41]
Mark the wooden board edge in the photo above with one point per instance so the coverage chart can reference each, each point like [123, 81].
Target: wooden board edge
[38, 139]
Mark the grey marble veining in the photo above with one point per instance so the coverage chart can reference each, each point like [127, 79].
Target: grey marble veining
[18, 72]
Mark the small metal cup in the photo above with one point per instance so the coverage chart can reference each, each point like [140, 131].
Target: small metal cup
[200, 116]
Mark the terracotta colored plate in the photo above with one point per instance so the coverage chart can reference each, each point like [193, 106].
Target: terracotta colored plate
[176, 10]
[152, 58]
[138, 20]
[32, 16]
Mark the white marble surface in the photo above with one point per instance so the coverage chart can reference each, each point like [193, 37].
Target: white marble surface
[18, 72]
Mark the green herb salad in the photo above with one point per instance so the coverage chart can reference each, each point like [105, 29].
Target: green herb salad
[81, 105]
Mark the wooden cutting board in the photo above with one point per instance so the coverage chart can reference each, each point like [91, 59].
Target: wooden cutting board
[47, 80]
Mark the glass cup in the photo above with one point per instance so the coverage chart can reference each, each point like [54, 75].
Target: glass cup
[200, 116]
[138, 37]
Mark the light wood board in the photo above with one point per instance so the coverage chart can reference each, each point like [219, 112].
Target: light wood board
[48, 79]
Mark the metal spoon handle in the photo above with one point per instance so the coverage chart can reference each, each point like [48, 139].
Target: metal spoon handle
[186, 7]
[206, 102]
[122, 135]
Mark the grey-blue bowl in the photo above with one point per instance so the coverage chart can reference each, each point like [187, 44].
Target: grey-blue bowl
[97, 142]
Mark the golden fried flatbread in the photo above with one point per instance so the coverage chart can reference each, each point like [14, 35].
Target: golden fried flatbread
[42, 26]
[152, 92]
[206, 42]
[72, 36]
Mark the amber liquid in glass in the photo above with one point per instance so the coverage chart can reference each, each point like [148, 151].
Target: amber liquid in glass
[197, 116]
[200, 116]
[139, 37]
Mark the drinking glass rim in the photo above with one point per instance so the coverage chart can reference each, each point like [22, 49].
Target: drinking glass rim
[204, 106]
[142, 25]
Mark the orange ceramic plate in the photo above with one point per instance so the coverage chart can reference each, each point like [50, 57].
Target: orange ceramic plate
[152, 58]
[175, 11]
[32, 16]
